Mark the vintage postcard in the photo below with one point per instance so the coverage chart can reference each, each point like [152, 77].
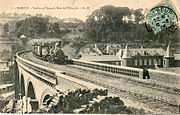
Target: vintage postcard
[90, 56]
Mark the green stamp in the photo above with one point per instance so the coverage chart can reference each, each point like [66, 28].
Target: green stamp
[162, 18]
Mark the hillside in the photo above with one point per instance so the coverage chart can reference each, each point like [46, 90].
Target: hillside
[6, 20]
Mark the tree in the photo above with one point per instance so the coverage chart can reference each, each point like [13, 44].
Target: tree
[138, 15]
[55, 28]
[105, 21]
[33, 26]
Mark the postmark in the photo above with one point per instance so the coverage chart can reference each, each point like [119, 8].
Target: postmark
[162, 18]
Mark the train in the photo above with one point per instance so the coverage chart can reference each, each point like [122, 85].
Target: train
[50, 52]
[122, 70]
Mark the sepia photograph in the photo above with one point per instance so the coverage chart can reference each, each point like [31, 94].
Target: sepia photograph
[90, 57]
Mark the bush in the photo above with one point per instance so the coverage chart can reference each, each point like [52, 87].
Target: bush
[75, 99]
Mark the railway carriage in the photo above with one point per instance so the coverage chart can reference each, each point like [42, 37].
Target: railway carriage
[127, 71]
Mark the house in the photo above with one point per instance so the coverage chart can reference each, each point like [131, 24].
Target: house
[137, 57]
[112, 49]
[91, 51]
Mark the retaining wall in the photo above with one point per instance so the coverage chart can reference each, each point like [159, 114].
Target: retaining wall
[167, 77]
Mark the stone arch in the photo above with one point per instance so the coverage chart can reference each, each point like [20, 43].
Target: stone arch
[47, 99]
[45, 96]
[22, 86]
[31, 91]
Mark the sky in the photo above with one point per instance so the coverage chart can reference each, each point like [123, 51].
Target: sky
[45, 6]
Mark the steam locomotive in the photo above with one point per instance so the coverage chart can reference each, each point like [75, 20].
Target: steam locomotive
[50, 52]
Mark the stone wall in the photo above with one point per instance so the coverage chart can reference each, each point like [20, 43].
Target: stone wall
[66, 83]
[167, 77]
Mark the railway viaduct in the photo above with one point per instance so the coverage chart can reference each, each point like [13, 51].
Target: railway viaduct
[39, 82]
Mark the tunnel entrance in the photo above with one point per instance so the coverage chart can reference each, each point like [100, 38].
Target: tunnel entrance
[22, 86]
[146, 74]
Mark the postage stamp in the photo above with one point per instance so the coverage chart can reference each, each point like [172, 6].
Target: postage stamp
[162, 18]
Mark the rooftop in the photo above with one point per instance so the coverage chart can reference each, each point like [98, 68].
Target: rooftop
[147, 51]
[101, 58]
[126, 53]
[131, 52]
[169, 52]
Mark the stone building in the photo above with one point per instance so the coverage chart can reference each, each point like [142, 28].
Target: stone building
[112, 49]
[142, 57]
[137, 57]
[91, 51]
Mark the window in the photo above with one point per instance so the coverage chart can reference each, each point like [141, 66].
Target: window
[145, 53]
[145, 61]
[159, 61]
[140, 62]
[6, 72]
[155, 62]
[117, 63]
[121, 63]
[135, 52]
[150, 62]
[135, 62]
[170, 62]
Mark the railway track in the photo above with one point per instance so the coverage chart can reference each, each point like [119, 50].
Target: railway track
[166, 106]
[163, 104]
[124, 91]
[135, 81]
